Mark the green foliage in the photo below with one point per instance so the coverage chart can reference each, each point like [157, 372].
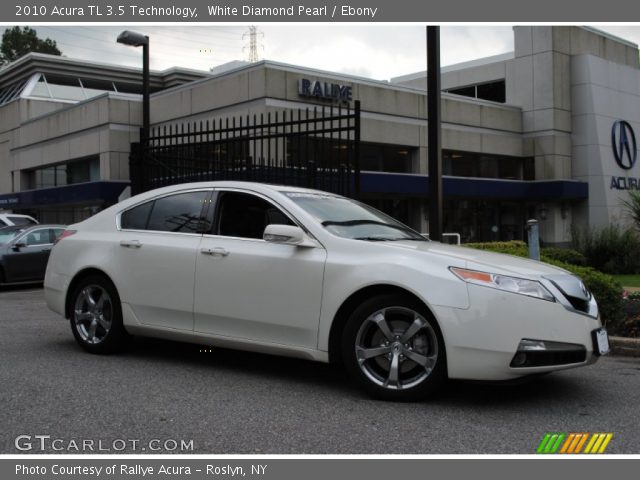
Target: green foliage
[17, 42]
[514, 247]
[565, 255]
[630, 326]
[606, 290]
[628, 280]
[612, 249]
[632, 206]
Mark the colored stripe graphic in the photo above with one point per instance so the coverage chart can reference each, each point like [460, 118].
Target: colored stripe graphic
[551, 443]
[573, 443]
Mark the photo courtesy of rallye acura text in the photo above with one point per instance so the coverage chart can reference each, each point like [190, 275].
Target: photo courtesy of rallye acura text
[309, 274]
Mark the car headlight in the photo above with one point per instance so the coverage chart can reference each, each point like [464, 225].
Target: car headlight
[522, 286]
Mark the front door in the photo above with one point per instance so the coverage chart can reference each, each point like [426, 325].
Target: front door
[251, 289]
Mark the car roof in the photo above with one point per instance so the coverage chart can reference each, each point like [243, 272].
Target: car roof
[10, 228]
[257, 186]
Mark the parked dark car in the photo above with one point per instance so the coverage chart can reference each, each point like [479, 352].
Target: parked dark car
[24, 252]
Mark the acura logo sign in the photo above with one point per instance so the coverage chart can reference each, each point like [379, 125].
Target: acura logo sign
[623, 141]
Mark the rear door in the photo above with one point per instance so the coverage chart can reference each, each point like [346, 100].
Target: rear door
[155, 257]
[251, 289]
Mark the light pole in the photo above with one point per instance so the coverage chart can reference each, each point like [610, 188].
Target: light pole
[434, 135]
[135, 39]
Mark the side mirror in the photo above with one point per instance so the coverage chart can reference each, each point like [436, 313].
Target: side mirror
[287, 235]
[17, 246]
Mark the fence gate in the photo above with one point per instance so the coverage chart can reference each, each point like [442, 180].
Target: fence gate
[315, 148]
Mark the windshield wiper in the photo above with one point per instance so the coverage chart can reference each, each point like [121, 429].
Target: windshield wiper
[350, 223]
[375, 239]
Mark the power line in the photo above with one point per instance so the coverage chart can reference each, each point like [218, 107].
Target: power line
[128, 54]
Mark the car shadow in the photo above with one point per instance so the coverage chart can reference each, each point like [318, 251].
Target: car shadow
[527, 391]
[21, 287]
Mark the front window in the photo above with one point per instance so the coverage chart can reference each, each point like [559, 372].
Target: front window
[38, 237]
[350, 219]
[243, 215]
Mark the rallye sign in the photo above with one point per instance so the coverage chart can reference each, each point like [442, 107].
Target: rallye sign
[334, 92]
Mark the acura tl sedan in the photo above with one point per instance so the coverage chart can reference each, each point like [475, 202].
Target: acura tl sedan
[313, 275]
[24, 251]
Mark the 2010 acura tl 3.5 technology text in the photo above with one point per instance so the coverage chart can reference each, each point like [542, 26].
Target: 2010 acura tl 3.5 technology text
[314, 275]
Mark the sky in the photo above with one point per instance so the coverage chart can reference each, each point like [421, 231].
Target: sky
[379, 52]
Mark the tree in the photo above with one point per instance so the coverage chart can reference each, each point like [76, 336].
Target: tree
[17, 42]
[632, 205]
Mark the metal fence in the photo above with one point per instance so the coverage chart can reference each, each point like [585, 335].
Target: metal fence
[316, 148]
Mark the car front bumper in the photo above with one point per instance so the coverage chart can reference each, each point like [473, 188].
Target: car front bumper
[481, 341]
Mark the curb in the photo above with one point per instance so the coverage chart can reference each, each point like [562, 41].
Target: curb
[625, 347]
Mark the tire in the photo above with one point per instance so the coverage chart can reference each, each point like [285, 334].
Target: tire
[96, 316]
[385, 364]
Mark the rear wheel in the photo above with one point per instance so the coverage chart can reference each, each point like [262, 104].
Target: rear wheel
[96, 316]
[394, 349]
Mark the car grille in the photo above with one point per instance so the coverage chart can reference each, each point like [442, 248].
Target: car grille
[573, 290]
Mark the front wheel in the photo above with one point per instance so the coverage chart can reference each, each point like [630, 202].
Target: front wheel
[96, 316]
[394, 349]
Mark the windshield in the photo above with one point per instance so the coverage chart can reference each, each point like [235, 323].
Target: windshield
[351, 219]
[7, 235]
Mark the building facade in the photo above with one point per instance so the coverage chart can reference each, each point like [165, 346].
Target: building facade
[546, 132]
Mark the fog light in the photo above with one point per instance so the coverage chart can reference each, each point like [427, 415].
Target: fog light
[519, 359]
[531, 345]
[545, 353]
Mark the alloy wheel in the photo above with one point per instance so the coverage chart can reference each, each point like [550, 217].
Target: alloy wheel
[396, 348]
[93, 314]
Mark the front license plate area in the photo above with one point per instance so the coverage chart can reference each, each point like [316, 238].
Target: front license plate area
[600, 341]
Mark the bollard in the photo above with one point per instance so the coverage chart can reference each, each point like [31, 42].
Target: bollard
[534, 239]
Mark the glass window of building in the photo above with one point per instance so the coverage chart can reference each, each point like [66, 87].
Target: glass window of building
[482, 165]
[492, 91]
[77, 171]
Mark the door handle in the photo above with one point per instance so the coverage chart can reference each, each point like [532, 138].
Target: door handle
[130, 243]
[217, 251]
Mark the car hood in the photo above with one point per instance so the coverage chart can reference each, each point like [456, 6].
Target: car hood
[482, 259]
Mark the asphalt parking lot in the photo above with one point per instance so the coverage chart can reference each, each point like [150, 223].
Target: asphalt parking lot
[239, 403]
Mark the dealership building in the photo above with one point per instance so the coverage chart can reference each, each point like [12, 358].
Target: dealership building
[546, 131]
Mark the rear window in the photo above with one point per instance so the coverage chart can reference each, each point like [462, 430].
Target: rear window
[21, 220]
[182, 212]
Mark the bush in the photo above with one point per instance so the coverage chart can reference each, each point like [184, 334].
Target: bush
[514, 247]
[565, 255]
[630, 326]
[606, 290]
[612, 249]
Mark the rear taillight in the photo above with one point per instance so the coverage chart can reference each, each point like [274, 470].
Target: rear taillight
[64, 234]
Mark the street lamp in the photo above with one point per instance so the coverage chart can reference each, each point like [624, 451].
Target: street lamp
[135, 39]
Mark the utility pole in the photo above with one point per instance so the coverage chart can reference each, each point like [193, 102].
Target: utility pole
[434, 133]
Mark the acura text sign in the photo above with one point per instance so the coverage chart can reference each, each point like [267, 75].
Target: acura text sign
[333, 92]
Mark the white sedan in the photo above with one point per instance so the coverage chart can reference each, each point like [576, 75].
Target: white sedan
[309, 274]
